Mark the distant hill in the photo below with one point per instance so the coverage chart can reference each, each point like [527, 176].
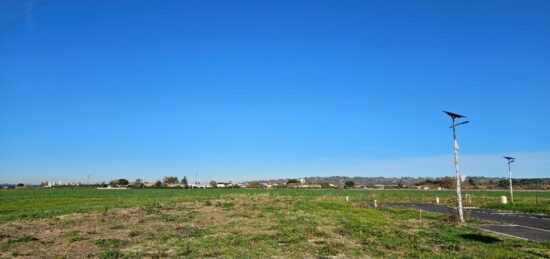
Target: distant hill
[473, 182]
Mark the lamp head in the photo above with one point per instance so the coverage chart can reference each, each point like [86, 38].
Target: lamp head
[510, 159]
[454, 115]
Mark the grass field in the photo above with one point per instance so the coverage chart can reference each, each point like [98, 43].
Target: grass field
[247, 223]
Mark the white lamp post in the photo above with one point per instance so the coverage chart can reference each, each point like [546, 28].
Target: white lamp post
[510, 160]
[455, 116]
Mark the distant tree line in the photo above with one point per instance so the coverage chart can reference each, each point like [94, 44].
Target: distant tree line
[167, 181]
[445, 182]
[322, 182]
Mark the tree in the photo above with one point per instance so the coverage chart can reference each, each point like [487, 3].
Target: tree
[503, 183]
[123, 182]
[213, 183]
[349, 184]
[447, 182]
[325, 185]
[184, 182]
[400, 185]
[170, 180]
[138, 183]
[254, 184]
[158, 184]
[289, 181]
[119, 182]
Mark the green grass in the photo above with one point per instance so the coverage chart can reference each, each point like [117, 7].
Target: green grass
[110, 243]
[39, 203]
[241, 223]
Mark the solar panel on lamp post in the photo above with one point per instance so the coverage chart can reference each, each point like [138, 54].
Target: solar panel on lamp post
[455, 116]
[510, 160]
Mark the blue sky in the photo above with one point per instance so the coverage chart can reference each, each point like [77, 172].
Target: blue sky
[240, 90]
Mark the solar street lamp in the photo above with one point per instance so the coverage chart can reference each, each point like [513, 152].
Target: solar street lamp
[510, 160]
[458, 177]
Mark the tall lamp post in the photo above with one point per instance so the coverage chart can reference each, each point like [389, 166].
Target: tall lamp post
[455, 116]
[510, 160]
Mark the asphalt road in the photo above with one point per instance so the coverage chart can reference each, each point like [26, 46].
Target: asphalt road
[517, 224]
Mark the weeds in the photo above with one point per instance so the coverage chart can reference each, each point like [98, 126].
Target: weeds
[152, 208]
[111, 254]
[185, 250]
[135, 255]
[74, 236]
[190, 231]
[23, 239]
[244, 224]
[225, 205]
[110, 243]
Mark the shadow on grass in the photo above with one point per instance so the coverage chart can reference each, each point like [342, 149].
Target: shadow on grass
[480, 238]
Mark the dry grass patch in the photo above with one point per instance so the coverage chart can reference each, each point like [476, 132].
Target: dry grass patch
[244, 225]
[155, 229]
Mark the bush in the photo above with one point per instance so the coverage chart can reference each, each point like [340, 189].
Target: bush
[119, 182]
[292, 181]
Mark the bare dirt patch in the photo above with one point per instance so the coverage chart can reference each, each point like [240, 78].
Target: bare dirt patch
[150, 230]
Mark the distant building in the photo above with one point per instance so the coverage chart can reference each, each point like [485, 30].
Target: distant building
[224, 185]
[360, 186]
[294, 185]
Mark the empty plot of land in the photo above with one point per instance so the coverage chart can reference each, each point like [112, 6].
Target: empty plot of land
[236, 224]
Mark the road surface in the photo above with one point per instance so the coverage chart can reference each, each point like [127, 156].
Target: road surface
[517, 224]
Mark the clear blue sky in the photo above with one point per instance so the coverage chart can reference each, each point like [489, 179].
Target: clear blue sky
[239, 90]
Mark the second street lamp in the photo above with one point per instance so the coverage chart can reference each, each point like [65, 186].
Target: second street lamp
[455, 116]
[510, 160]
